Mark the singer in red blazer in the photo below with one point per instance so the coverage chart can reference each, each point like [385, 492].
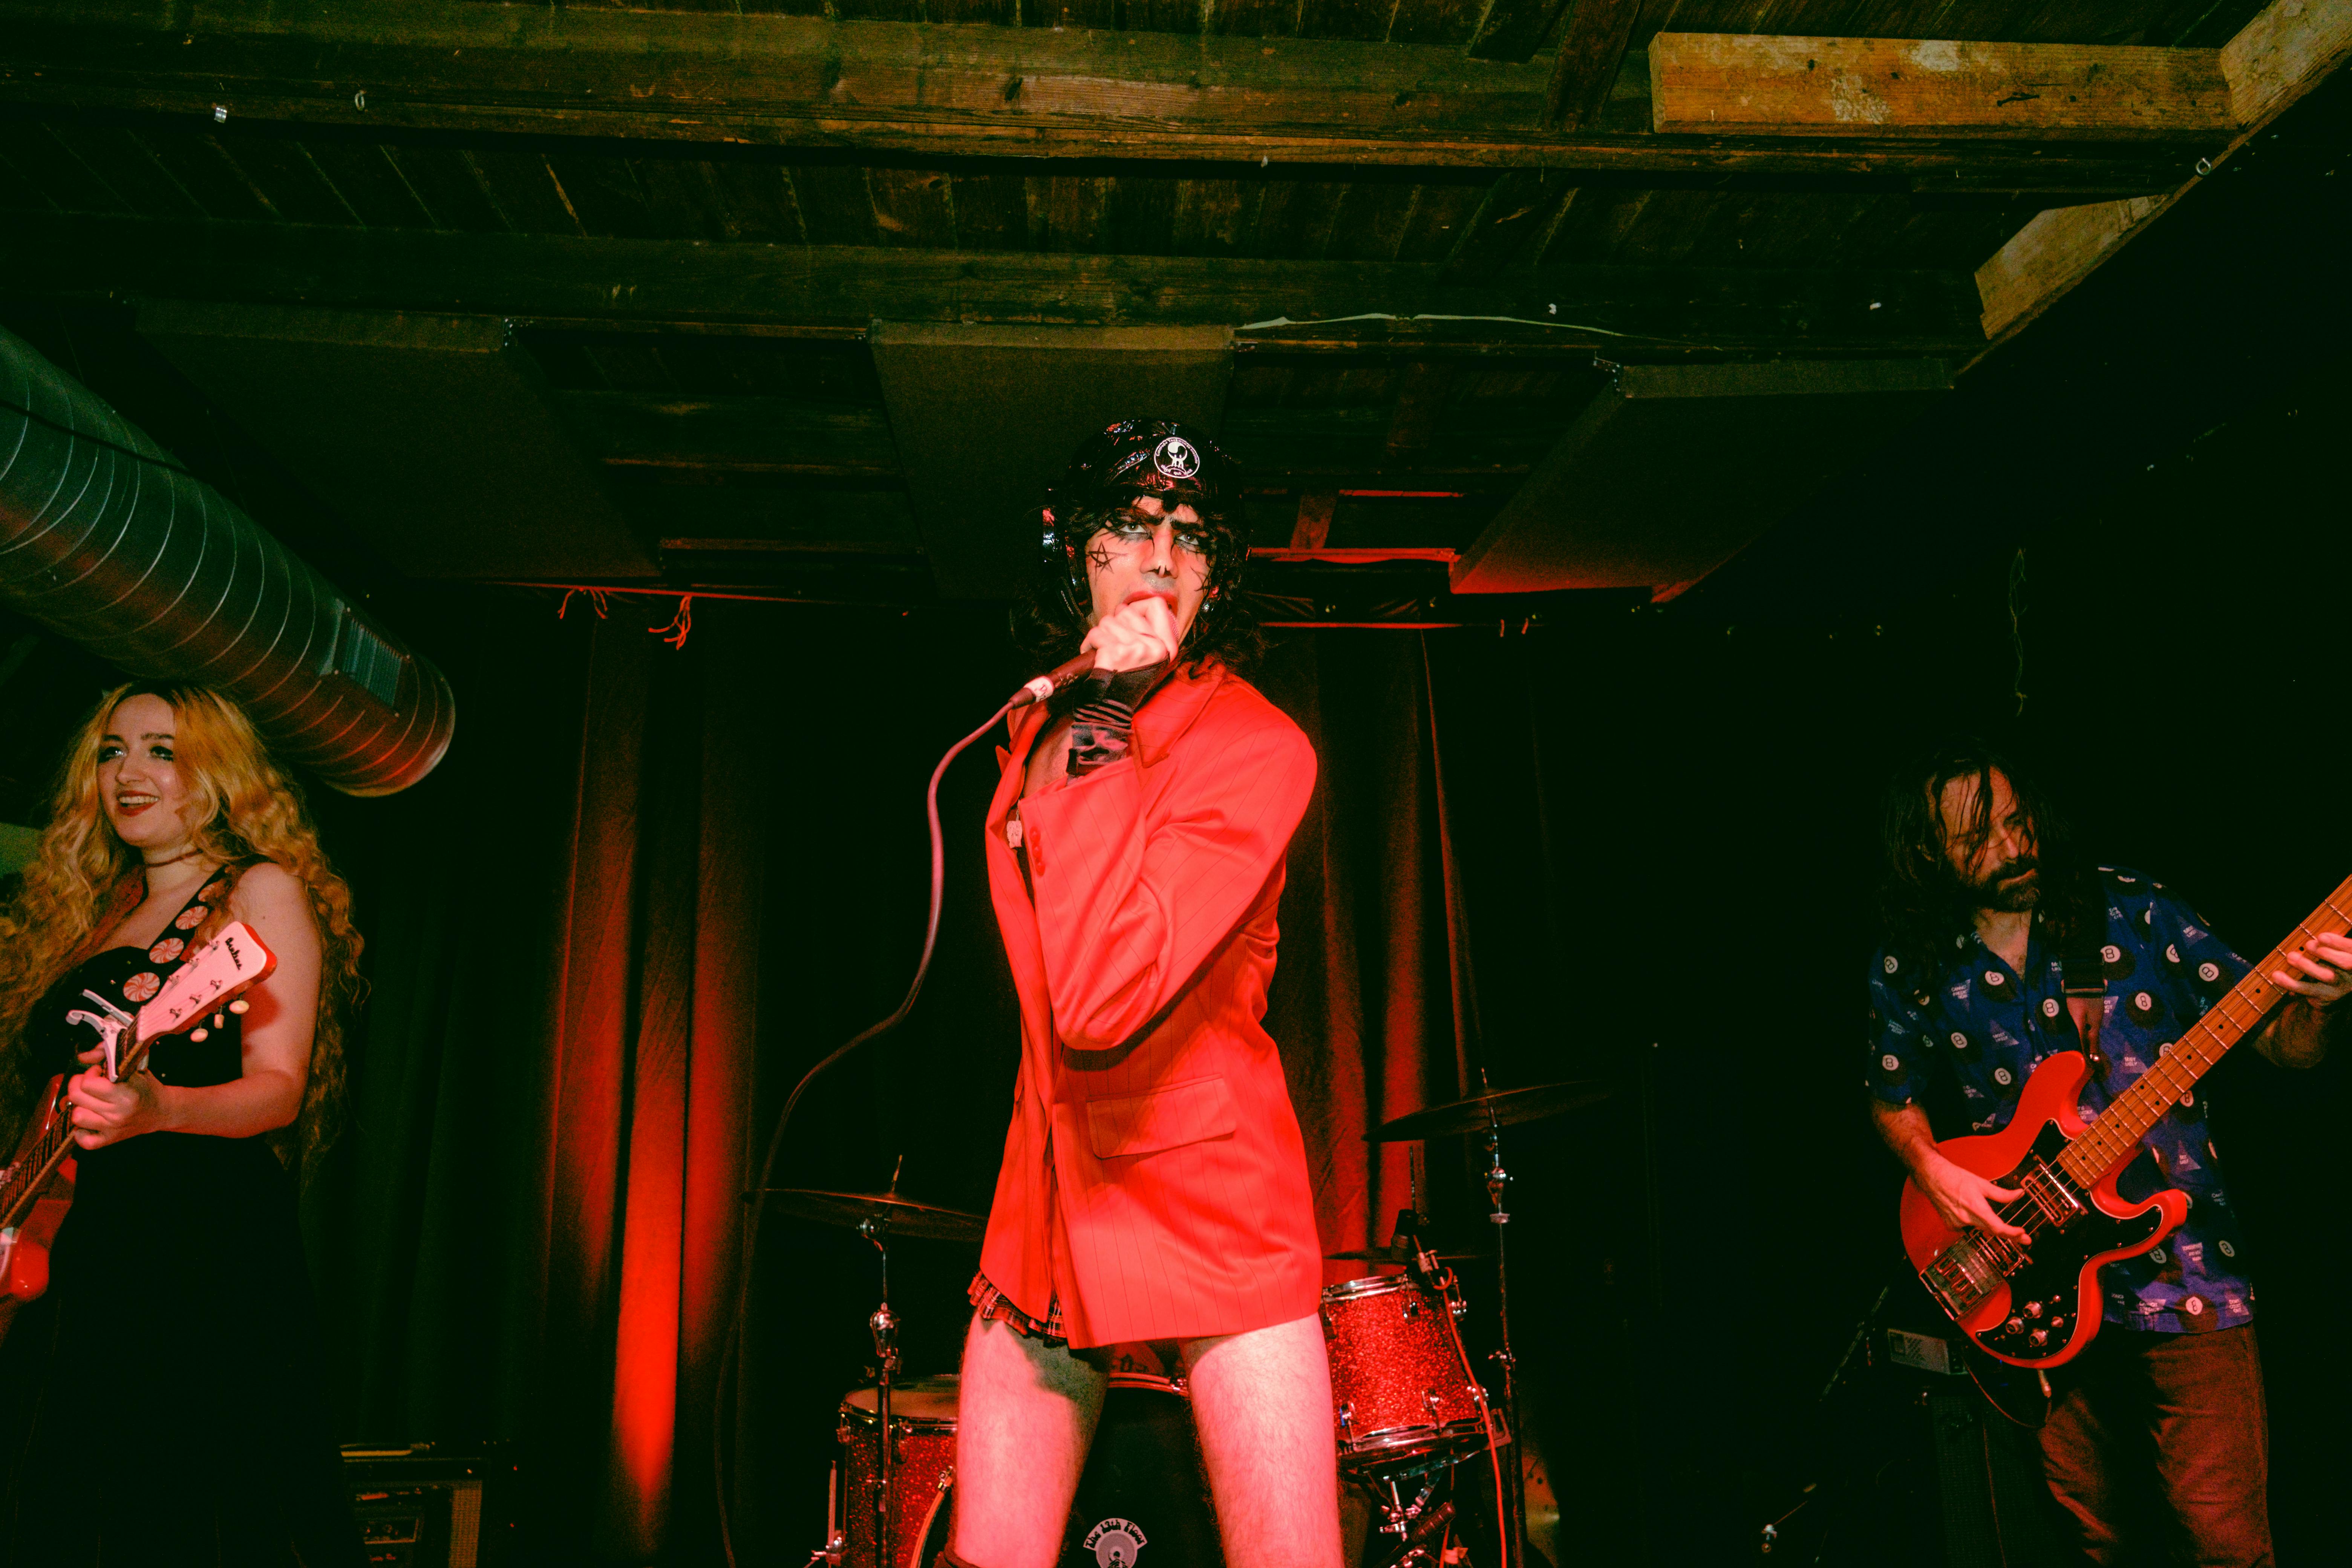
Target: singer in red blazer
[1154, 1183]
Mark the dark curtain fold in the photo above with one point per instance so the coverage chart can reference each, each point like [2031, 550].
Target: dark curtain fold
[1363, 1003]
[530, 1230]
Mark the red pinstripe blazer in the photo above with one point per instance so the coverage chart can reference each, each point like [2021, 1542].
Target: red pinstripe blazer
[1154, 1179]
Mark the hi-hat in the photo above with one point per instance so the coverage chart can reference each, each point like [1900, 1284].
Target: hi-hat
[1496, 1108]
[897, 1215]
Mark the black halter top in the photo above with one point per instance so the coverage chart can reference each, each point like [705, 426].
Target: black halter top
[128, 977]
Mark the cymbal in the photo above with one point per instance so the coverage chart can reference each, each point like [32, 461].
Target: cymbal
[1398, 1255]
[899, 1216]
[1502, 1107]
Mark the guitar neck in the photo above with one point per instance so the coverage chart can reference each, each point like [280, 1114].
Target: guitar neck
[2115, 1136]
[37, 1160]
[45, 1149]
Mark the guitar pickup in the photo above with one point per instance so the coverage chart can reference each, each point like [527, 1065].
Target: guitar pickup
[2052, 1195]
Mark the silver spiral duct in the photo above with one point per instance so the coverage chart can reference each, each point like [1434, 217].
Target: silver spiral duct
[108, 542]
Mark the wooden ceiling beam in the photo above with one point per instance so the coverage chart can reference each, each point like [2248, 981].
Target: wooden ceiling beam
[2285, 51]
[1730, 85]
[1514, 30]
[1584, 68]
[445, 66]
[1618, 308]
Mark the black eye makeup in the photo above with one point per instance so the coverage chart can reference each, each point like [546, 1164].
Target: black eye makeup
[1135, 526]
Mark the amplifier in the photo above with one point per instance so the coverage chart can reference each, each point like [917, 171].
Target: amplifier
[432, 1505]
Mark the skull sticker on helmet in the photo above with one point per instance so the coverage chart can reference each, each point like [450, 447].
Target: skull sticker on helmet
[1176, 458]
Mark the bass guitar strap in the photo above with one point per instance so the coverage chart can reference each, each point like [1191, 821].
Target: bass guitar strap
[2083, 976]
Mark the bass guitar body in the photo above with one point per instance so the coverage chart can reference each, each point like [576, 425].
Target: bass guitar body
[24, 1245]
[2034, 1304]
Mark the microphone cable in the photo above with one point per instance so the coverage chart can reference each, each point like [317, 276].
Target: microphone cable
[758, 1196]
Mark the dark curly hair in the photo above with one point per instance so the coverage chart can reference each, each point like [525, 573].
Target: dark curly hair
[1051, 618]
[1922, 902]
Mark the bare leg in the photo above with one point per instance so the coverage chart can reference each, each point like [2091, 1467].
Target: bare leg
[1024, 1419]
[1263, 1403]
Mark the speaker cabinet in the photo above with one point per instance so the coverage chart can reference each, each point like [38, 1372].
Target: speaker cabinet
[431, 1506]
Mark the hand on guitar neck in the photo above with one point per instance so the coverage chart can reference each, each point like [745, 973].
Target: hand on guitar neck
[2321, 977]
[1963, 1198]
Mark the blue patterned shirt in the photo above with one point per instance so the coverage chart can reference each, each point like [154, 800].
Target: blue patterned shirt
[1986, 1028]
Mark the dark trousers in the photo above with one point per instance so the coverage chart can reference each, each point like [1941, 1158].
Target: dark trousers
[2158, 1449]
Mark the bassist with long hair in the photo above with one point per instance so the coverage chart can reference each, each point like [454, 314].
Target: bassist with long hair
[2001, 953]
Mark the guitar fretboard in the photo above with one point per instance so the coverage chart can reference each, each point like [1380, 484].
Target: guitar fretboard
[31, 1173]
[2115, 1136]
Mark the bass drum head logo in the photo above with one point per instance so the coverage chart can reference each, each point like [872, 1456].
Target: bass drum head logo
[1176, 458]
[1117, 1542]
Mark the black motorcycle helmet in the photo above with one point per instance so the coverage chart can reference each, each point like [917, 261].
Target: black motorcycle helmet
[1143, 457]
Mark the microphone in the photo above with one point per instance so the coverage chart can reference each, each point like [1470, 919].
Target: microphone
[1054, 680]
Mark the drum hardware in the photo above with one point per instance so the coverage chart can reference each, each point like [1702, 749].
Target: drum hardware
[1398, 1515]
[837, 1539]
[1484, 1115]
[1424, 1542]
[885, 1326]
[876, 1216]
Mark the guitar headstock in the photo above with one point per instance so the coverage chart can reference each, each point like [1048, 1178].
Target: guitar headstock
[233, 962]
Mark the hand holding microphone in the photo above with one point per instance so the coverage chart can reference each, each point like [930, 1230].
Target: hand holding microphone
[1141, 633]
[1138, 634]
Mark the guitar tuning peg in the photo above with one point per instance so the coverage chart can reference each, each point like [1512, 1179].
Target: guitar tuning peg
[239, 1005]
[219, 1022]
[199, 1034]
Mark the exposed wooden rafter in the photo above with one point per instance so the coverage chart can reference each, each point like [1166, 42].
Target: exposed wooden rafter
[1514, 30]
[1584, 68]
[571, 277]
[1727, 84]
[443, 66]
[2275, 60]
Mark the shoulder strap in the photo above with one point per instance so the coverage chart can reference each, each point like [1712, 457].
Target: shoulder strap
[126, 896]
[222, 885]
[2083, 976]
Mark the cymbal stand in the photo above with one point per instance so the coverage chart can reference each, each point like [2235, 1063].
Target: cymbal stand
[1512, 1528]
[884, 1324]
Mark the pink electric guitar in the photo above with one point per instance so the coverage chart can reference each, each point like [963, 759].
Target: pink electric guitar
[2037, 1303]
[36, 1186]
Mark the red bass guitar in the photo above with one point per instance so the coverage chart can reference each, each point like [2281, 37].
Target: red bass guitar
[2037, 1303]
[36, 1186]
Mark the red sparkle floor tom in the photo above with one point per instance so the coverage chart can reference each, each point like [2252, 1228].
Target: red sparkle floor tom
[1402, 1398]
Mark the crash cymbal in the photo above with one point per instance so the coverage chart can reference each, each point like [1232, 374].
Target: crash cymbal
[900, 1216]
[1398, 1255]
[1499, 1107]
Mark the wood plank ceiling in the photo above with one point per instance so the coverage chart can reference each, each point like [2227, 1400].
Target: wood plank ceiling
[1433, 225]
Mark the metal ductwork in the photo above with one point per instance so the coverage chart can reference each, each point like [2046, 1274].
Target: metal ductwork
[108, 542]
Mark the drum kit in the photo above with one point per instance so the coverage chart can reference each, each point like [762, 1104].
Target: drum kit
[1407, 1406]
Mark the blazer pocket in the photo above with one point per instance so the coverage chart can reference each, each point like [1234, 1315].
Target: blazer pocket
[1165, 1118]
